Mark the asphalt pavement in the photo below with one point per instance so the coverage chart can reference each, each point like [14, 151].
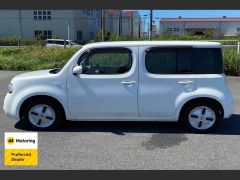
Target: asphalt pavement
[132, 145]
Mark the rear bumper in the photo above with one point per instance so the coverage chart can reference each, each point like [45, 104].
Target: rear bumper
[228, 105]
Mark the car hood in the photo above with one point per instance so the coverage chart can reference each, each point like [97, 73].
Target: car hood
[33, 75]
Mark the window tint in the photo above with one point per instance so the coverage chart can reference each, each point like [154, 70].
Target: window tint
[60, 42]
[208, 61]
[161, 61]
[107, 62]
[184, 61]
[169, 61]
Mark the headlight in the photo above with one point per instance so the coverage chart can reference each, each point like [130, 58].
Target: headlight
[10, 88]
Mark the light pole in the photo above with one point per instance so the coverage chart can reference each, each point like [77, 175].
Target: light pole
[103, 25]
[20, 27]
[20, 23]
[131, 20]
[68, 29]
[120, 23]
[151, 16]
[139, 27]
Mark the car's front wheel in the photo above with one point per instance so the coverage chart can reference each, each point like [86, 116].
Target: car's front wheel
[42, 114]
[201, 117]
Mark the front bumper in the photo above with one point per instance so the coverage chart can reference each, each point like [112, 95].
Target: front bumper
[8, 108]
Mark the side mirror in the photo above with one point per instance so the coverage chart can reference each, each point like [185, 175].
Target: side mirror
[77, 70]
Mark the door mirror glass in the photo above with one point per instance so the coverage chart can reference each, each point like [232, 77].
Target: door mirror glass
[77, 70]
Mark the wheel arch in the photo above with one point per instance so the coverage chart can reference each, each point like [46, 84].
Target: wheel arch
[202, 99]
[31, 98]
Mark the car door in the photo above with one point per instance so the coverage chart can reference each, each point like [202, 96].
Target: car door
[107, 87]
[164, 76]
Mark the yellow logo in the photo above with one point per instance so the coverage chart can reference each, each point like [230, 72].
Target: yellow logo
[10, 140]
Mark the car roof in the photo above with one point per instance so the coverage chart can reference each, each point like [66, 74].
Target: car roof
[154, 43]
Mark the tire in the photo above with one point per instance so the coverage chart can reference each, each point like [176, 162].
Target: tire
[42, 114]
[200, 117]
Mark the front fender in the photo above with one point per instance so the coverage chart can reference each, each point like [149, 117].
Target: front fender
[52, 91]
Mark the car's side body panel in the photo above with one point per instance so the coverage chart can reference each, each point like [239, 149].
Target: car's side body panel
[153, 97]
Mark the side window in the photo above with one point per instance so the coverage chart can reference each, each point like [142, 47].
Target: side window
[50, 42]
[169, 61]
[162, 61]
[184, 61]
[208, 61]
[106, 62]
[61, 42]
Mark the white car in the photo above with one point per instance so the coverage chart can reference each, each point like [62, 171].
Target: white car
[127, 81]
[60, 43]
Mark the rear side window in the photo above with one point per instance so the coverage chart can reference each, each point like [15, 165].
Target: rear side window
[169, 61]
[184, 61]
[208, 61]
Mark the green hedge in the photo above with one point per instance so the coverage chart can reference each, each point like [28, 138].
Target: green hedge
[23, 42]
[34, 58]
[231, 62]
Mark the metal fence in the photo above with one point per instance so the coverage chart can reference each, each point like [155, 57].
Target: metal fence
[227, 44]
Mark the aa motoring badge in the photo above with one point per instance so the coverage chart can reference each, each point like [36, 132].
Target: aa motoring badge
[21, 149]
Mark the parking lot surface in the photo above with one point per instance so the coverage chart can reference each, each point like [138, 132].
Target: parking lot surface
[132, 145]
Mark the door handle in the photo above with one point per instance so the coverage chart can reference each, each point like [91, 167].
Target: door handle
[128, 82]
[185, 82]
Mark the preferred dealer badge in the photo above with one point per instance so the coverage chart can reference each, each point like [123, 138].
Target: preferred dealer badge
[21, 149]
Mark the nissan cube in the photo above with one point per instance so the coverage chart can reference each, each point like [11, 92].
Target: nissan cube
[127, 81]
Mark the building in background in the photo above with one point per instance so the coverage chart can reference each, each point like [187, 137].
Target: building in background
[113, 21]
[80, 25]
[132, 24]
[126, 23]
[224, 26]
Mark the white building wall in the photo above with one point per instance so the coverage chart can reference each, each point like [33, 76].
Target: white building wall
[230, 28]
[226, 28]
[10, 24]
[57, 24]
[165, 25]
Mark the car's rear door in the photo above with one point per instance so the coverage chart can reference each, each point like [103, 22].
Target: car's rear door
[165, 73]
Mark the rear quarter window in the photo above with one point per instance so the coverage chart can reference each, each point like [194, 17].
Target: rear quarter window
[184, 60]
[207, 61]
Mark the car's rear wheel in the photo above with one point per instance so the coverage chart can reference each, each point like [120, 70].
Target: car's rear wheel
[201, 117]
[42, 114]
